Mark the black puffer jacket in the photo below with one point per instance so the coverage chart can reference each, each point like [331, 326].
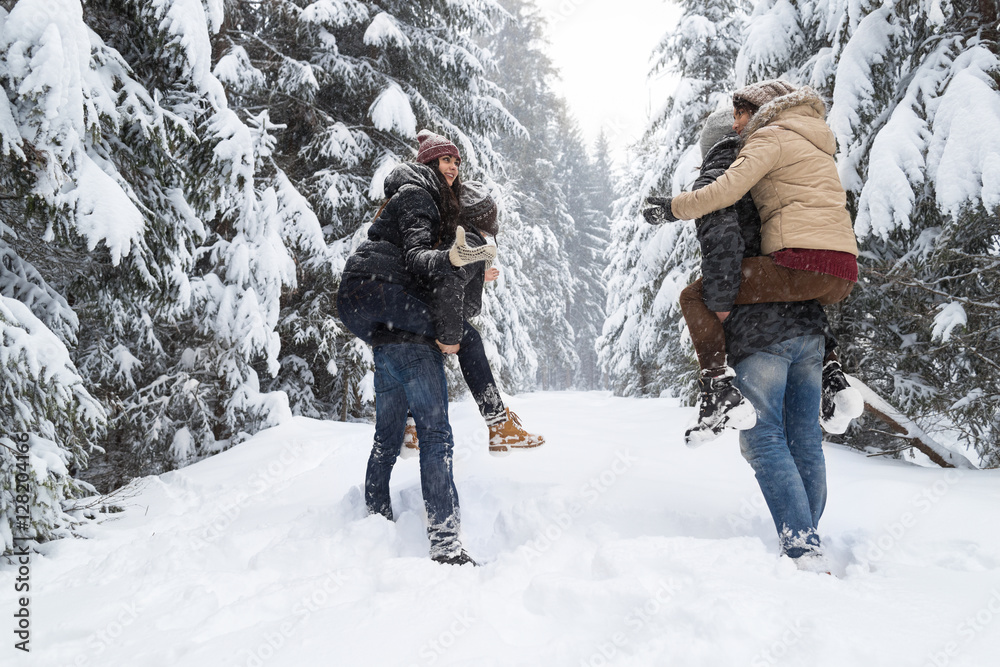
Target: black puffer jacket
[402, 242]
[726, 237]
[403, 247]
[456, 296]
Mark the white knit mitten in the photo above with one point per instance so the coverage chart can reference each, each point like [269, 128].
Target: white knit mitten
[461, 254]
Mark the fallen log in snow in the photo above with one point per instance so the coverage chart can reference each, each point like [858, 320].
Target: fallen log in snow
[908, 430]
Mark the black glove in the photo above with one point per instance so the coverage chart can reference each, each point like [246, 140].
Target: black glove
[657, 211]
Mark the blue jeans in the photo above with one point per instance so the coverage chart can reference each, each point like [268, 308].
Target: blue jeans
[785, 448]
[411, 376]
[364, 305]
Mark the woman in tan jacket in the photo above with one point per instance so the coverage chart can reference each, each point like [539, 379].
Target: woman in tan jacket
[807, 237]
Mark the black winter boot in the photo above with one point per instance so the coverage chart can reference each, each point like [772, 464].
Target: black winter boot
[722, 406]
[461, 558]
[841, 402]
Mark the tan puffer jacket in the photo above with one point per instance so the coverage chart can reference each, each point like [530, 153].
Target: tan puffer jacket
[787, 166]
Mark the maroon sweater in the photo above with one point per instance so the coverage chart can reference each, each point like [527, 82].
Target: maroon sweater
[833, 262]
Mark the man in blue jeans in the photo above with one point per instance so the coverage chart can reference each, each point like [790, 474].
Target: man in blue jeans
[410, 376]
[777, 351]
[783, 381]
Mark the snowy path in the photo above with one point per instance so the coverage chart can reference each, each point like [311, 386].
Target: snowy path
[611, 545]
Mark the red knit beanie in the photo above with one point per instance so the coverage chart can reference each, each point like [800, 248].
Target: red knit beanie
[432, 146]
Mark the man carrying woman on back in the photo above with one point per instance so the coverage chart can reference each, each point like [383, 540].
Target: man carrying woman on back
[785, 162]
[406, 291]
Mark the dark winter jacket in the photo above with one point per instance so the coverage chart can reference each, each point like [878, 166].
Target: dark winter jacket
[403, 242]
[456, 296]
[726, 237]
[404, 247]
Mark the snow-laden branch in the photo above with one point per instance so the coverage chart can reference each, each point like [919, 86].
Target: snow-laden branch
[907, 429]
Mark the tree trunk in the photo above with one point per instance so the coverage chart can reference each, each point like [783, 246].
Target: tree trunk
[903, 426]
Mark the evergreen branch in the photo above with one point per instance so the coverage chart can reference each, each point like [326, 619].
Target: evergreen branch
[921, 285]
[889, 452]
[988, 361]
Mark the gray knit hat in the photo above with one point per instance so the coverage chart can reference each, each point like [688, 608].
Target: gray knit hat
[759, 94]
[717, 125]
[478, 208]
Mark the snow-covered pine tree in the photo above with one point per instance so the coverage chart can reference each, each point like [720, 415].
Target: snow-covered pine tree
[789, 39]
[644, 348]
[590, 196]
[72, 122]
[352, 82]
[48, 427]
[219, 219]
[542, 224]
[915, 99]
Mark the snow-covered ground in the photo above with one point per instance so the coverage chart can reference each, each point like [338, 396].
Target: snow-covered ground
[611, 545]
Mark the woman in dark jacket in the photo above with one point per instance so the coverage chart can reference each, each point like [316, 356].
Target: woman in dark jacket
[377, 302]
[415, 280]
[403, 292]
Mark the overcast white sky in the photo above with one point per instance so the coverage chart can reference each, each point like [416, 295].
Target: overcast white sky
[602, 49]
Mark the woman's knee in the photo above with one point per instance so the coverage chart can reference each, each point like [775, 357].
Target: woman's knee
[471, 336]
[692, 296]
[839, 292]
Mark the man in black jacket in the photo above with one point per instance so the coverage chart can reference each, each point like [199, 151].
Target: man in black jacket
[777, 351]
[376, 302]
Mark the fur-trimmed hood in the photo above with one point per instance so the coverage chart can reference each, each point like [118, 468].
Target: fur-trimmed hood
[803, 112]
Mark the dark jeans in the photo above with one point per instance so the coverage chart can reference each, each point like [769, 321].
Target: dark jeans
[785, 448]
[365, 305]
[411, 376]
[763, 281]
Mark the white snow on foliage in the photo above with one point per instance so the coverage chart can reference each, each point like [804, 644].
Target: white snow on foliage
[771, 36]
[47, 53]
[385, 30]
[335, 12]
[236, 71]
[613, 544]
[10, 136]
[30, 354]
[896, 163]
[854, 85]
[897, 157]
[964, 152]
[377, 189]
[104, 212]
[392, 111]
[62, 101]
[186, 22]
[951, 315]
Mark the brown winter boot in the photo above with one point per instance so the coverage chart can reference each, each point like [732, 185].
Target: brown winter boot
[510, 434]
[411, 446]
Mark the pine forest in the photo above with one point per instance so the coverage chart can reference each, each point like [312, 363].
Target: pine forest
[182, 182]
